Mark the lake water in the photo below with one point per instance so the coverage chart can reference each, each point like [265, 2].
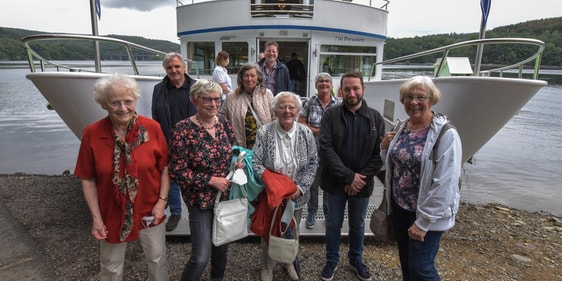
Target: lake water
[519, 167]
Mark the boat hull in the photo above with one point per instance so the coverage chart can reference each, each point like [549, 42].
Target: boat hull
[478, 106]
[71, 96]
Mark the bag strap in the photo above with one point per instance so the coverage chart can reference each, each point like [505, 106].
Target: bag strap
[446, 127]
[286, 212]
[433, 155]
[258, 123]
[242, 188]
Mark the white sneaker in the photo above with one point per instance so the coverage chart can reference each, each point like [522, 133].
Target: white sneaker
[266, 275]
[292, 272]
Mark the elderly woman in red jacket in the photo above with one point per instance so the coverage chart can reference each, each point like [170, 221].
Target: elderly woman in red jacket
[123, 164]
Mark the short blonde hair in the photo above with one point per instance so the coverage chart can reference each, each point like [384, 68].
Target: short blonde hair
[203, 86]
[424, 81]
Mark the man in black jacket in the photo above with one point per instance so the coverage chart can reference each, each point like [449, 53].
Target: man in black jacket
[170, 104]
[350, 136]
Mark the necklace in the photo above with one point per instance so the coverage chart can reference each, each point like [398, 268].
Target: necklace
[201, 123]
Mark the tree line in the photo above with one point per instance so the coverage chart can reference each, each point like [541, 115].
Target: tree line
[547, 30]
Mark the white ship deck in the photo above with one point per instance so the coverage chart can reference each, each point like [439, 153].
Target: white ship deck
[318, 230]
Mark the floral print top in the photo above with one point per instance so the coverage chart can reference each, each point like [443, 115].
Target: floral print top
[406, 160]
[195, 156]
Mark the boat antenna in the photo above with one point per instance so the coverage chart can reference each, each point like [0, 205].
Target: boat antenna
[95, 14]
[485, 6]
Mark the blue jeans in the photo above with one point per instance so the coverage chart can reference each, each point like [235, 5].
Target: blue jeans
[417, 259]
[201, 225]
[357, 208]
[174, 198]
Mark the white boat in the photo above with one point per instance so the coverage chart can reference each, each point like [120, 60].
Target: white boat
[479, 102]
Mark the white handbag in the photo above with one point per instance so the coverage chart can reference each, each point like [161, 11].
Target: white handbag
[231, 219]
[282, 249]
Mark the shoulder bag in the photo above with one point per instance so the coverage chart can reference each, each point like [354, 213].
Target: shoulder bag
[381, 222]
[231, 219]
[283, 249]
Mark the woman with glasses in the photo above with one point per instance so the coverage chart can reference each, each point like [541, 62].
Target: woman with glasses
[311, 114]
[423, 166]
[248, 107]
[123, 164]
[200, 154]
[287, 147]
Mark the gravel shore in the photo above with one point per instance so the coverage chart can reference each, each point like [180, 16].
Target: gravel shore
[489, 242]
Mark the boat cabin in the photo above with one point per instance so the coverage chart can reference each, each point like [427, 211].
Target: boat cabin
[310, 28]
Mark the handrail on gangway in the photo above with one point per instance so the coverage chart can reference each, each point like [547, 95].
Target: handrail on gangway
[488, 41]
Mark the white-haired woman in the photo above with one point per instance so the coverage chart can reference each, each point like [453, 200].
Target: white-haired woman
[123, 164]
[287, 147]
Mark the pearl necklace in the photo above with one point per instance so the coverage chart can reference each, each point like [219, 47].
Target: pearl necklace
[201, 123]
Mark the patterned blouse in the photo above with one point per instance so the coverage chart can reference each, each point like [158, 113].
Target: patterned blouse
[195, 156]
[406, 158]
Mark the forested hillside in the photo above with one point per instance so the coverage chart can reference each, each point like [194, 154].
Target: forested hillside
[546, 30]
[11, 47]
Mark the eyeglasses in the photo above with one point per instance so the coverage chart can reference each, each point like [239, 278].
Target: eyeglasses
[289, 107]
[417, 98]
[324, 81]
[118, 104]
[208, 101]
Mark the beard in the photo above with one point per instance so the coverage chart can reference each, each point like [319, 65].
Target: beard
[352, 101]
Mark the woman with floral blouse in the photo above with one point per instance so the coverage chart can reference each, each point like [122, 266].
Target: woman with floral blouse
[200, 154]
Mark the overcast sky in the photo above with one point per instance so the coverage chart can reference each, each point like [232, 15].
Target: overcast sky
[156, 19]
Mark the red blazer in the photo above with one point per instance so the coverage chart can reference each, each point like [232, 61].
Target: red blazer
[95, 161]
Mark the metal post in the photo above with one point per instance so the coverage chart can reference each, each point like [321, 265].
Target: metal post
[94, 19]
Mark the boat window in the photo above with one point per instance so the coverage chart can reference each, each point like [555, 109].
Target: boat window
[282, 8]
[237, 55]
[203, 53]
[338, 59]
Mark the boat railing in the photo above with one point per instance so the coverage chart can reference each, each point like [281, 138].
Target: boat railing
[285, 9]
[281, 9]
[445, 50]
[132, 50]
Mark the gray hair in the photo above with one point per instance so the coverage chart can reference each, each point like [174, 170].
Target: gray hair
[203, 86]
[245, 67]
[169, 56]
[280, 95]
[105, 83]
[325, 75]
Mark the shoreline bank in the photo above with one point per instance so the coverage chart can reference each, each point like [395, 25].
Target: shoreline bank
[489, 242]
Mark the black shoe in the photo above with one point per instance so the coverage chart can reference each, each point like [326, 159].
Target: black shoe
[329, 270]
[172, 222]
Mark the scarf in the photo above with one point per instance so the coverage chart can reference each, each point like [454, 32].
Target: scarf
[125, 178]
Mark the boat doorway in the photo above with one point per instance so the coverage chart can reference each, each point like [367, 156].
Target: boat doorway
[286, 49]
